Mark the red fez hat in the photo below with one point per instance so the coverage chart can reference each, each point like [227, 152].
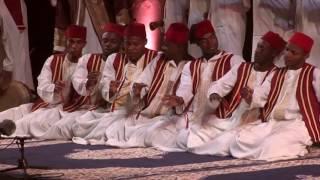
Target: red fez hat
[75, 31]
[115, 28]
[303, 41]
[177, 33]
[135, 29]
[275, 40]
[203, 28]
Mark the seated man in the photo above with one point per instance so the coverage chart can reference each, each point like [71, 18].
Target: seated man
[247, 76]
[117, 77]
[54, 88]
[158, 81]
[290, 109]
[85, 82]
[176, 133]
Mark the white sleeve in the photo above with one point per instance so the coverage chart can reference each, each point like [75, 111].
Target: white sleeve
[316, 82]
[45, 87]
[108, 75]
[224, 85]
[146, 76]
[80, 76]
[185, 87]
[260, 94]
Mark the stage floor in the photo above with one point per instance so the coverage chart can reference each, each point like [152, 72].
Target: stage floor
[66, 160]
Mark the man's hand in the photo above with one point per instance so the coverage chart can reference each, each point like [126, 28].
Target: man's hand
[172, 101]
[59, 86]
[246, 94]
[137, 87]
[92, 80]
[215, 97]
[114, 85]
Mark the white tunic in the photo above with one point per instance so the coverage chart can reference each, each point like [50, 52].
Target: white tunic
[130, 131]
[62, 129]
[171, 134]
[39, 121]
[220, 144]
[16, 45]
[91, 127]
[284, 135]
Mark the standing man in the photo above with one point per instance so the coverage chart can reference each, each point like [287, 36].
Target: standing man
[229, 21]
[14, 38]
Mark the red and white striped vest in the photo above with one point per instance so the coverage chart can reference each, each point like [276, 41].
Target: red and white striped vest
[56, 69]
[306, 97]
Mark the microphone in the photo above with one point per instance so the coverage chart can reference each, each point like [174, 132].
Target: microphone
[7, 127]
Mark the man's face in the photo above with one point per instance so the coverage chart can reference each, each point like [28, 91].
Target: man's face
[208, 43]
[75, 46]
[134, 47]
[111, 43]
[170, 49]
[294, 55]
[264, 52]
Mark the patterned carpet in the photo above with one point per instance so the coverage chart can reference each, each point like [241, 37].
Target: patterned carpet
[66, 160]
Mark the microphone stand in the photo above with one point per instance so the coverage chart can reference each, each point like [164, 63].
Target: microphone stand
[22, 161]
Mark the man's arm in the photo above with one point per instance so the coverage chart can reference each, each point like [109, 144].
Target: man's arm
[46, 88]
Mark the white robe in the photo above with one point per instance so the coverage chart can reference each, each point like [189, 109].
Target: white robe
[175, 11]
[197, 9]
[39, 121]
[220, 144]
[16, 45]
[174, 127]
[228, 18]
[90, 128]
[131, 131]
[308, 22]
[284, 135]
[62, 129]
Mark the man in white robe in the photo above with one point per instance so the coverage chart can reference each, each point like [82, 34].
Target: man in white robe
[229, 21]
[120, 71]
[248, 75]
[85, 82]
[54, 88]
[290, 109]
[156, 84]
[14, 38]
[176, 133]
